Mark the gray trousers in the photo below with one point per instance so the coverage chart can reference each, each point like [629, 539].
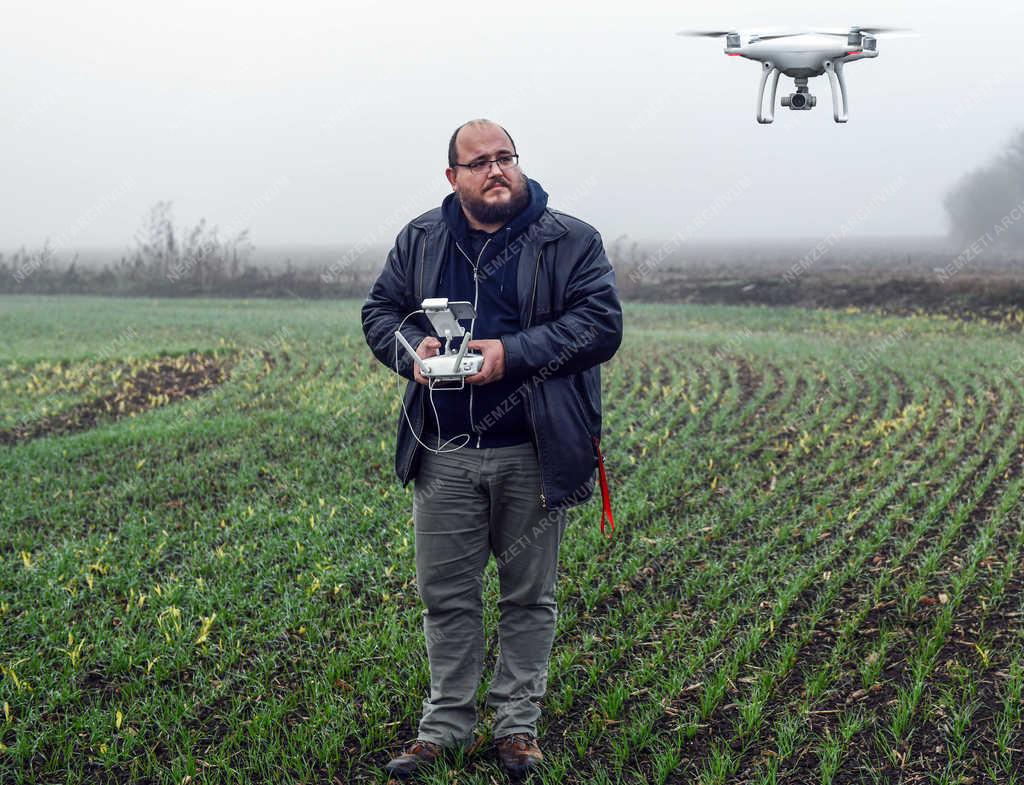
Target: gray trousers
[467, 505]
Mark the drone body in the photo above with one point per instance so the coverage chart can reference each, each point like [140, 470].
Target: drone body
[802, 55]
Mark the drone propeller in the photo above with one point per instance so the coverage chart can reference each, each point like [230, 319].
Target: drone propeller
[877, 32]
[707, 33]
[868, 30]
[779, 35]
[874, 31]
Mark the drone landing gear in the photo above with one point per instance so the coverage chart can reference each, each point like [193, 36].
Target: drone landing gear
[835, 74]
[802, 98]
[767, 69]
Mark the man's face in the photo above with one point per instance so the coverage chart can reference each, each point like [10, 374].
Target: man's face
[492, 196]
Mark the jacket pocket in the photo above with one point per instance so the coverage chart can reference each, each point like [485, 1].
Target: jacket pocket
[585, 393]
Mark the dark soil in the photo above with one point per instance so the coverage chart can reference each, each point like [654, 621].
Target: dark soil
[175, 378]
[988, 298]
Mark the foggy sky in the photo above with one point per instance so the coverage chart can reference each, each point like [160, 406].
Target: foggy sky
[326, 123]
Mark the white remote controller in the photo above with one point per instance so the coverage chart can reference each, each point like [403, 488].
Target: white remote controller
[447, 367]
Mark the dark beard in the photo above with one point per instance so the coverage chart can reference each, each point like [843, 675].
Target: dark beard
[487, 213]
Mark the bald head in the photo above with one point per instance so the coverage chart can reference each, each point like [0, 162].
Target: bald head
[481, 122]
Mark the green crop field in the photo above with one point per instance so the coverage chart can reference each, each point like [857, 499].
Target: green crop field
[206, 562]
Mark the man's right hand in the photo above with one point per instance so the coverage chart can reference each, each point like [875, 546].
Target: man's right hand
[428, 347]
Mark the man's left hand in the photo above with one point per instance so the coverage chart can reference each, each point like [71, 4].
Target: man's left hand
[493, 368]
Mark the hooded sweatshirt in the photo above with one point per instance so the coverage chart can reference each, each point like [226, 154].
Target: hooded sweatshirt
[493, 414]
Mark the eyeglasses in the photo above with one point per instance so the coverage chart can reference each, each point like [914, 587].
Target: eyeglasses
[504, 162]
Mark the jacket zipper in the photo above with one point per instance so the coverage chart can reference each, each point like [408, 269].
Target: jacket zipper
[423, 266]
[529, 383]
[476, 291]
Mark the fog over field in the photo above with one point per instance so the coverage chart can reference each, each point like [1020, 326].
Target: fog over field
[314, 124]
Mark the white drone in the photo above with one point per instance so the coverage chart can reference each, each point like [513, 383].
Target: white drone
[802, 55]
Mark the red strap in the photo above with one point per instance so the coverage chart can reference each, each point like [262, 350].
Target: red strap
[606, 512]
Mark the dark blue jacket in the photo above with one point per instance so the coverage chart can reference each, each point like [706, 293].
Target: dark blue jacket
[572, 322]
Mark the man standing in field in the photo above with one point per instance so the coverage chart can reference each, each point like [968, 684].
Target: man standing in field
[547, 315]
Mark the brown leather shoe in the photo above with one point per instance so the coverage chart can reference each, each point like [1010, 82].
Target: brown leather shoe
[417, 755]
[518, 753]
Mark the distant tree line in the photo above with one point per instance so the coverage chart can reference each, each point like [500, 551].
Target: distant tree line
[986, 206]
[167, 262]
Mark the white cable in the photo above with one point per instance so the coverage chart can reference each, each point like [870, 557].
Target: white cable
[430, 392]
